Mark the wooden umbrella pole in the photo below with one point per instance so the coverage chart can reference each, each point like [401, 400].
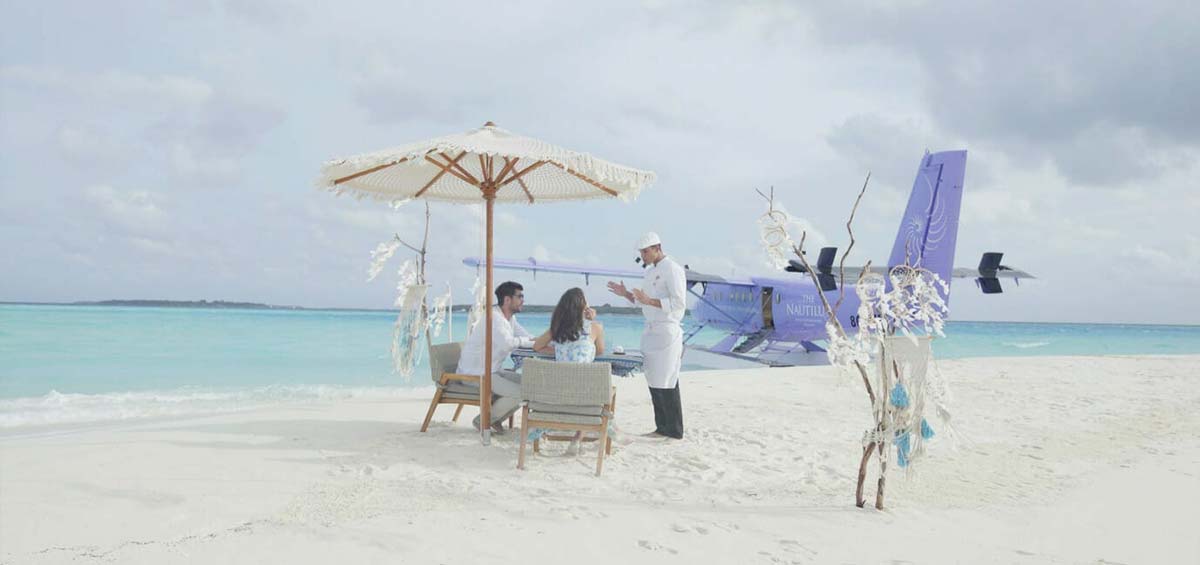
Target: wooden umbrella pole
[485, 388]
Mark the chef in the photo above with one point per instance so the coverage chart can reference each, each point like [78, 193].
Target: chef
[662, 299]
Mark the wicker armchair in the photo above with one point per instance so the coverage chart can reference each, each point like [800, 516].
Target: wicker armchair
[452, 388]
[567, 396]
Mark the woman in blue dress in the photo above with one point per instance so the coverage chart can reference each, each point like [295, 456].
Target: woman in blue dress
[574, 335]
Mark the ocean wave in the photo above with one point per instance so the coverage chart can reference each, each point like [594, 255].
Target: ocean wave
[56, 408]
[1027, 344]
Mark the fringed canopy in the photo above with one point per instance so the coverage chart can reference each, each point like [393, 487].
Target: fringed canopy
[452, 168]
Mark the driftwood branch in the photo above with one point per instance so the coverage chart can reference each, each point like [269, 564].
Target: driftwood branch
[862, 474]
[414, 249]
[879, 411]
[421, 280]
[832, 314]
[770, 199]
[421, 276]
[798, 249]
[846, 253]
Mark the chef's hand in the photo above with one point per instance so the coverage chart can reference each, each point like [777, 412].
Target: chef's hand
[618, 288]
[640, 297]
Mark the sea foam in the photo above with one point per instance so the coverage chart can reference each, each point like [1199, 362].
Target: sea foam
[1027, 344]
[55, 408]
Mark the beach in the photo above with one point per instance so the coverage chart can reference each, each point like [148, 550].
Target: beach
[1057, 460]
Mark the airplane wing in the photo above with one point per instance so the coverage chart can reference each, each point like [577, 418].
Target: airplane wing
[958, 273]
[989, 268]
[1000, 273]
[533, 266]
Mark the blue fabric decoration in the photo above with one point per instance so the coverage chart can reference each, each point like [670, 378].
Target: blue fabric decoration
[902, 448]
[536, 434]
[899, 397]
[926, 431]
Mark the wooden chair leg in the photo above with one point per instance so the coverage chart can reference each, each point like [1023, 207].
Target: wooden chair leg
[537, 446]
[603, 440]
[437, 398]
[524, 436]
[612, 409]
[510, 421]
[457, 411]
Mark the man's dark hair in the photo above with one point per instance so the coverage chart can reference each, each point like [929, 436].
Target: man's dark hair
[507, 289]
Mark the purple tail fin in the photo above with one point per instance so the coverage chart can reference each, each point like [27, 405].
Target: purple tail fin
[929, 228]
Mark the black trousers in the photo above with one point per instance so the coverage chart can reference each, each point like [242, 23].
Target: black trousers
[668, 411]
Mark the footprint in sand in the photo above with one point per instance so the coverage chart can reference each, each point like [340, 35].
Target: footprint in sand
[683, 529]
[566, 510]
[653, 546]
[794, 546]
[577, 511]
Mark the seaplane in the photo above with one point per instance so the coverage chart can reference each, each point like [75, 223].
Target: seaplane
[779, 320]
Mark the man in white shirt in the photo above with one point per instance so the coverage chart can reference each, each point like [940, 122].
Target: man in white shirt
[663, 301]
[507, 335]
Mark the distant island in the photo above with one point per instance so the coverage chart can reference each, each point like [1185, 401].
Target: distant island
[188, 304]
[222, 304]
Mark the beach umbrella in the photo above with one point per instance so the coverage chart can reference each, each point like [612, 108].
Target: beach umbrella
[485, 165]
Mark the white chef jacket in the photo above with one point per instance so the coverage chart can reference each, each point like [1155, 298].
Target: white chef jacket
[506, 336]
[662, 340]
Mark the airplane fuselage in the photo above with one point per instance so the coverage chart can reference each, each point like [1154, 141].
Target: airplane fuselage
[791, 310]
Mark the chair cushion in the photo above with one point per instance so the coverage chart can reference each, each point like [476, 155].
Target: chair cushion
[460, 395]
[580, 410]
[459, 387]
[562, 418]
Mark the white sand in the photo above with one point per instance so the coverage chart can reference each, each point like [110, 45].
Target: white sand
[1062, 460]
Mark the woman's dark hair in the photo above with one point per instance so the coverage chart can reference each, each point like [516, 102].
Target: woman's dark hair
[567, 322]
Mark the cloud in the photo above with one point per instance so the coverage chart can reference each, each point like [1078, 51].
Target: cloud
[137, 211]
[265, 13]
[115, 88]
[94, 148]
[1181, 266]
[378, 220]
[152, 246]
[541, 253]
[1024, 82]
[545, 254]
[135, 218]
[998, 207]
[209, 146]
[885, 146]
[185, 163]
[1103, 155]
[203, 133]
[394, 91]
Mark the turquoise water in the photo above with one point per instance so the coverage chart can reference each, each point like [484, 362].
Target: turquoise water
[75, 363]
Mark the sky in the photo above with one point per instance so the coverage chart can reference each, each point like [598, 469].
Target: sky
[169, 149]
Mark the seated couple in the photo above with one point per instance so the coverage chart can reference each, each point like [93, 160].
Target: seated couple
[574, 336]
